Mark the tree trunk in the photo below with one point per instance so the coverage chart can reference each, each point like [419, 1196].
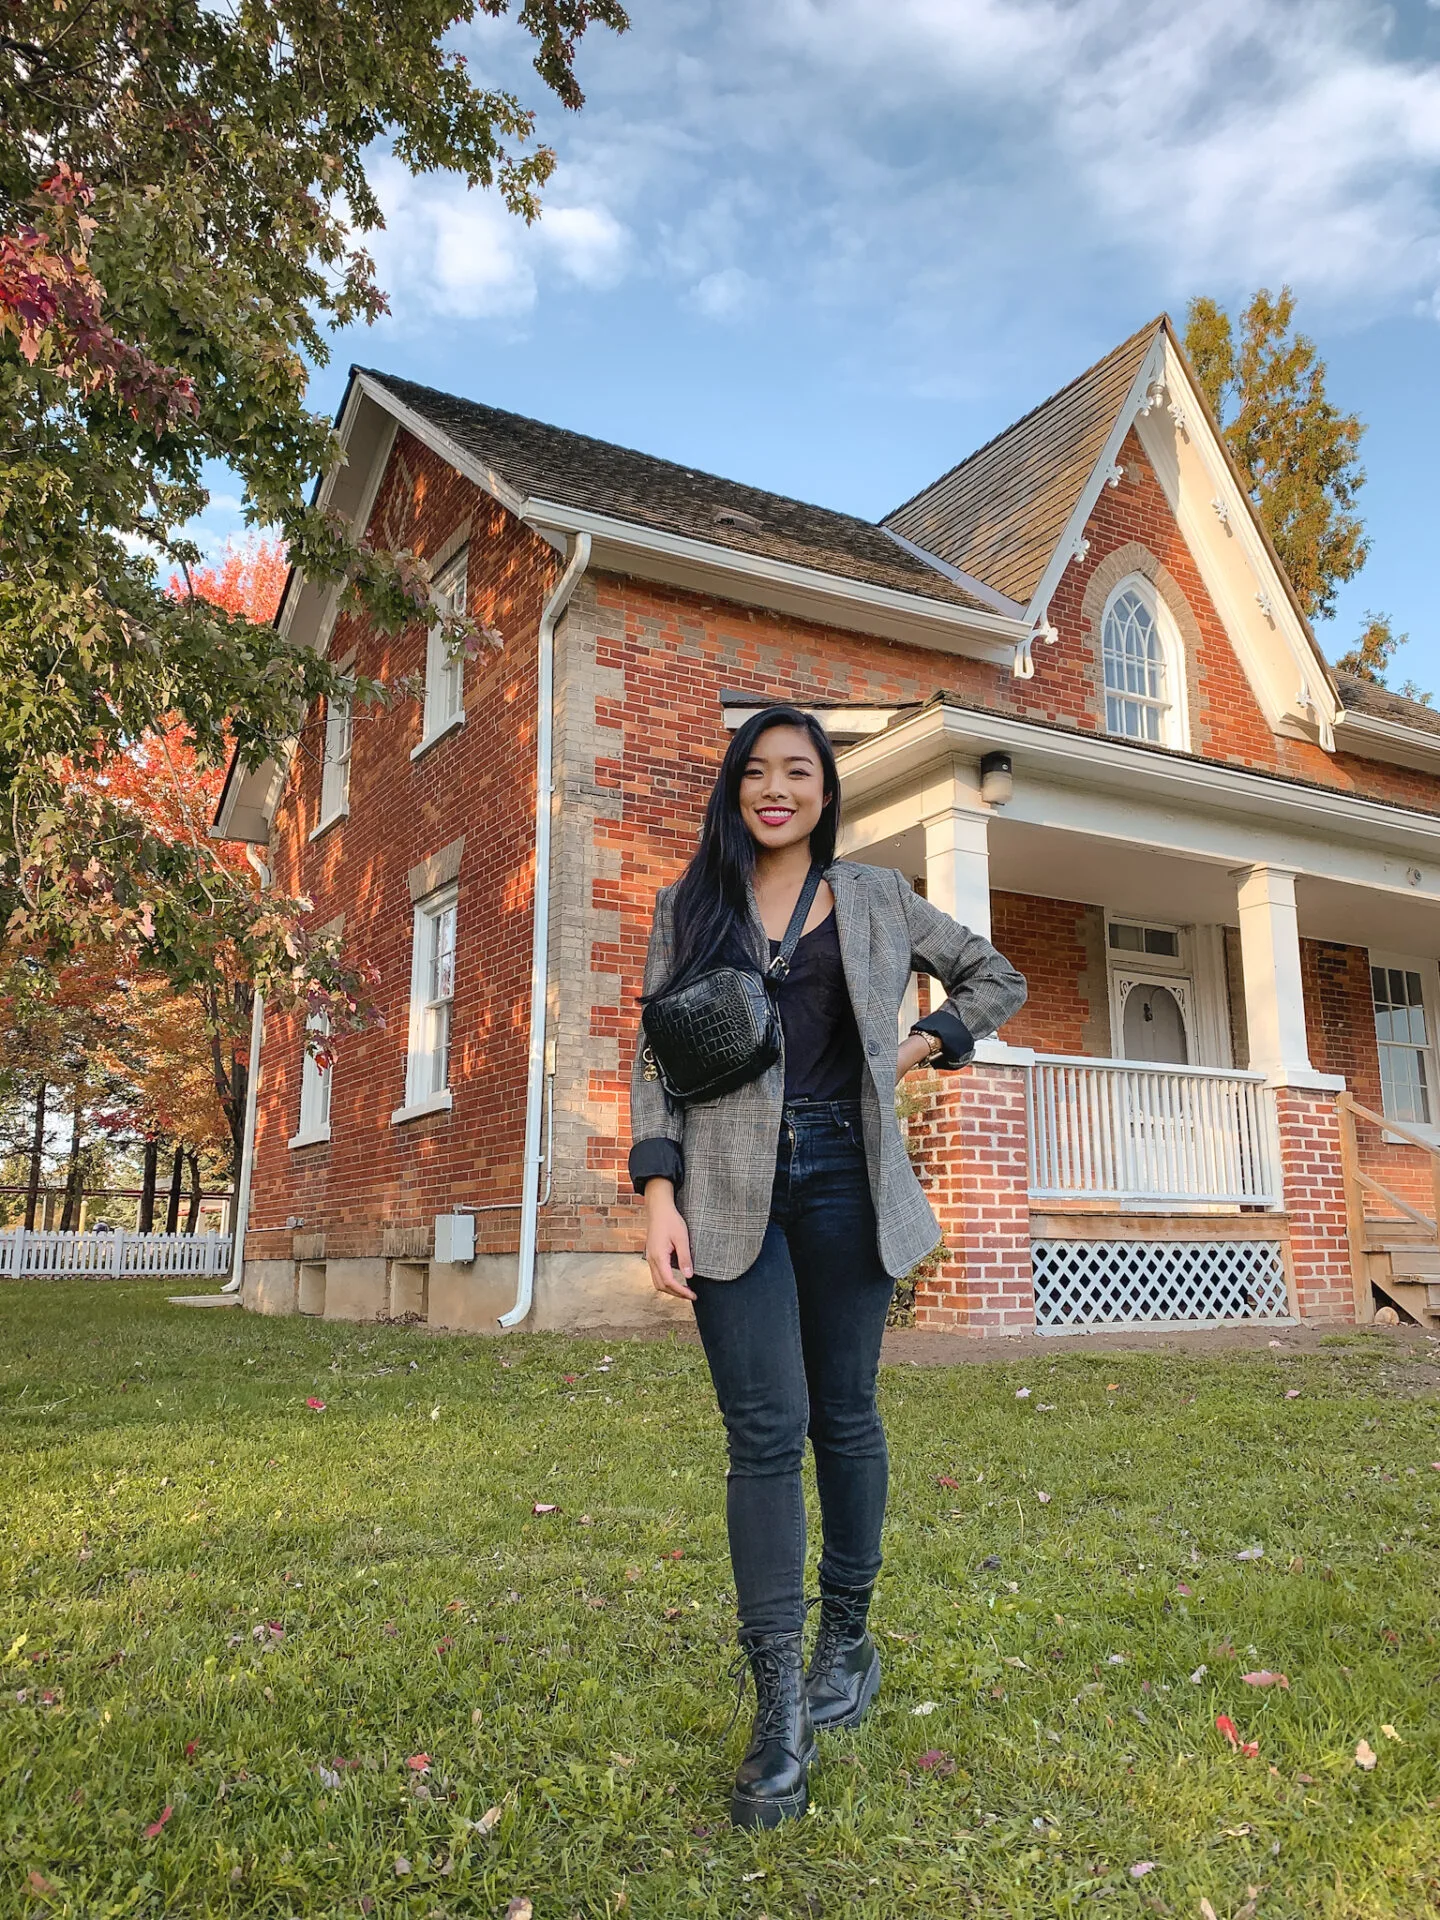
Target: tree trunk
[146, 1220]
[74, 1172]
[192, 1217]
[37, 1157]
[172, 1209]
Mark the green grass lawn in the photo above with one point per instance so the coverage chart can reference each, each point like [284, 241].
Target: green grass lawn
[322, 1646]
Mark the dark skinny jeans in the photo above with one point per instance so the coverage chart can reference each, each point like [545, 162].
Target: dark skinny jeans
[794, 1349]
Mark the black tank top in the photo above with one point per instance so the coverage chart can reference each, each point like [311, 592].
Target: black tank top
[824, 1059]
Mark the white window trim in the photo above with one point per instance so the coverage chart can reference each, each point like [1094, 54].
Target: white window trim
[341, 808]
[424, 746]
[432, 1103]
[1175, 715]
[451, 582]
[1429, 973]
[441, 1099]
[316, 1093]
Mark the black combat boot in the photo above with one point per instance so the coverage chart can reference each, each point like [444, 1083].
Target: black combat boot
[773, 1781]
[844, 1672]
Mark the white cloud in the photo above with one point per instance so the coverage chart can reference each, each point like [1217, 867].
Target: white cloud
[728, 294]
[938, 166]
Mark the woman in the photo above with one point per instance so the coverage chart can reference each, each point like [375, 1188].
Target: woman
[791, 1205]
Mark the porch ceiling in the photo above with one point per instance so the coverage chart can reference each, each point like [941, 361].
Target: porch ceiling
[1139, 880]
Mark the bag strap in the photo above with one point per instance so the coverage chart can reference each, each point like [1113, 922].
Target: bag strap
[780, 965]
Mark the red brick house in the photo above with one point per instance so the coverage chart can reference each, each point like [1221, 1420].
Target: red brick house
[1075, 700]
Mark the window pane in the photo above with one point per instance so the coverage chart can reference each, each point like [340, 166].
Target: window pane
[1127, 939]
[442, 979]
[1162, 940]
[1134, 665]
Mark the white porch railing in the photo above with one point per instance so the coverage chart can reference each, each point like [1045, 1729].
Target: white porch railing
[1119, 1130]
[98, 1254]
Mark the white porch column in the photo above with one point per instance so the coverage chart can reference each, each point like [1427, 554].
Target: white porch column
[1270, 961]
[957, 846]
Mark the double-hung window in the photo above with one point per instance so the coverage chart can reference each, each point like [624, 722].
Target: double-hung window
[335, 774]
[445, 669]
[315, 1084]
[432, 996]
[1405, 1039]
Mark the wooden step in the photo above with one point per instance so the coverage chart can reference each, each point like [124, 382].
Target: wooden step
[1422, 1303]
[1415, 1263]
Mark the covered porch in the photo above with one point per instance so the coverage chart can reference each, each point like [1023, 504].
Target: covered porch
[1152, 1141]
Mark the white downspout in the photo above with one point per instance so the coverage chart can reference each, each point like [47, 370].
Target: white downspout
[247, 1147]
[540, 935]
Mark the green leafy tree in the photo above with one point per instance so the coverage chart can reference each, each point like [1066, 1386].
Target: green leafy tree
[1298, 452]
[184, 199]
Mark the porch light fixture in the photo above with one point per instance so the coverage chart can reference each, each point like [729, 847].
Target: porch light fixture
[997, 779]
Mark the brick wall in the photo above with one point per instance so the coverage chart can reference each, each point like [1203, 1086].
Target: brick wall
[478, 781]
[1340, 1025]
[1315, 1202]
[1058, 946]
[974, 1166]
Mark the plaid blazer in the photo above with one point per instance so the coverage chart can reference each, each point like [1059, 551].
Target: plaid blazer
[887, 932]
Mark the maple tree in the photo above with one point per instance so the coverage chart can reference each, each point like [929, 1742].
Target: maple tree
[185, 192]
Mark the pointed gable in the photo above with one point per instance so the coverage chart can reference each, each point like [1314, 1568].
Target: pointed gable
[1000, 514]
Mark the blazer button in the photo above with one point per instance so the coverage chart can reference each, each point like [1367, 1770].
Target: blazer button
[872, 1047]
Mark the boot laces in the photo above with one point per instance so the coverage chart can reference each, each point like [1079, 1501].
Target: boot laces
[842, 1620]
[767, 1663]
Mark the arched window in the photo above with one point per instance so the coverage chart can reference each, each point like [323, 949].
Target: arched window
[1144, 681]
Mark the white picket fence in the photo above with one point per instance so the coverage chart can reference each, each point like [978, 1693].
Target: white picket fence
[1127, 1131]
[57, 1255]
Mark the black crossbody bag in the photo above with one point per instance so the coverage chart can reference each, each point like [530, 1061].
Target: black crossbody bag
[722, 1028]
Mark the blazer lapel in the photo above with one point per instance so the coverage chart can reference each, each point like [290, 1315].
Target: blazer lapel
[852, 924]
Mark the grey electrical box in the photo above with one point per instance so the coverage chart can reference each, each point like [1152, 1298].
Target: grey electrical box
[454, 1238]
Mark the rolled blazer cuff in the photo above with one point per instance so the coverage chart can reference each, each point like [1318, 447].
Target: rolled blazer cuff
[953, 1034]
[657, 1159]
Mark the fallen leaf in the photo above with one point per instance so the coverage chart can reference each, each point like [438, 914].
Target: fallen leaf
[519, 1909]
[328, 1776]
[1305, 1779]
[1237, 1833]
[315, 1406]
[1022, 1393]
[1043, 1498]
[1292, 1393]
[419, 1763]
[157, 1826]
[1014, 1660]
[1264, 1678]
[925, 1706]
[936, 1760]
[1365, 1757]
[944, 1480]
[402, 1865]
[991, 1563]
[1141, 1868]
[1114, 1387]
[1207, 1912]
[1251, 1553]
[1199, 1674]
[192, 1747]
[632, 1574]
[675, 1553]
[435, 1413]
[1390, 1733]
[586, 1521]
[673, 1613]
[486, 1821]
[1232, 1733]
[38, 1883]
[541, 1507]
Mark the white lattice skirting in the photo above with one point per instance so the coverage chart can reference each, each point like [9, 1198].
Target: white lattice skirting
[1157, 1283]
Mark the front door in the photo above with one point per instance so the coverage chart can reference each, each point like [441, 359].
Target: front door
[1154, 1020]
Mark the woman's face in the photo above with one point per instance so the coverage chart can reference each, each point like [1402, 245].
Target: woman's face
[782, 790]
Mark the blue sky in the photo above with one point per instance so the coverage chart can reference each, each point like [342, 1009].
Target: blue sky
[830, 246]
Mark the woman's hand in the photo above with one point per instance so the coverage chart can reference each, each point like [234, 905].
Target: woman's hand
[667, 1241]
[914, 1048]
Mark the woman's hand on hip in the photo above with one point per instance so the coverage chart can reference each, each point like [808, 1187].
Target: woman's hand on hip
[667, 1241]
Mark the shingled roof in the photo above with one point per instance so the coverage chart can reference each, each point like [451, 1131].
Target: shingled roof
[999, 515]
[541, 462]
[1365, 696]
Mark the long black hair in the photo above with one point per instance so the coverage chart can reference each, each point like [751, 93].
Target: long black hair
[711, 899]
